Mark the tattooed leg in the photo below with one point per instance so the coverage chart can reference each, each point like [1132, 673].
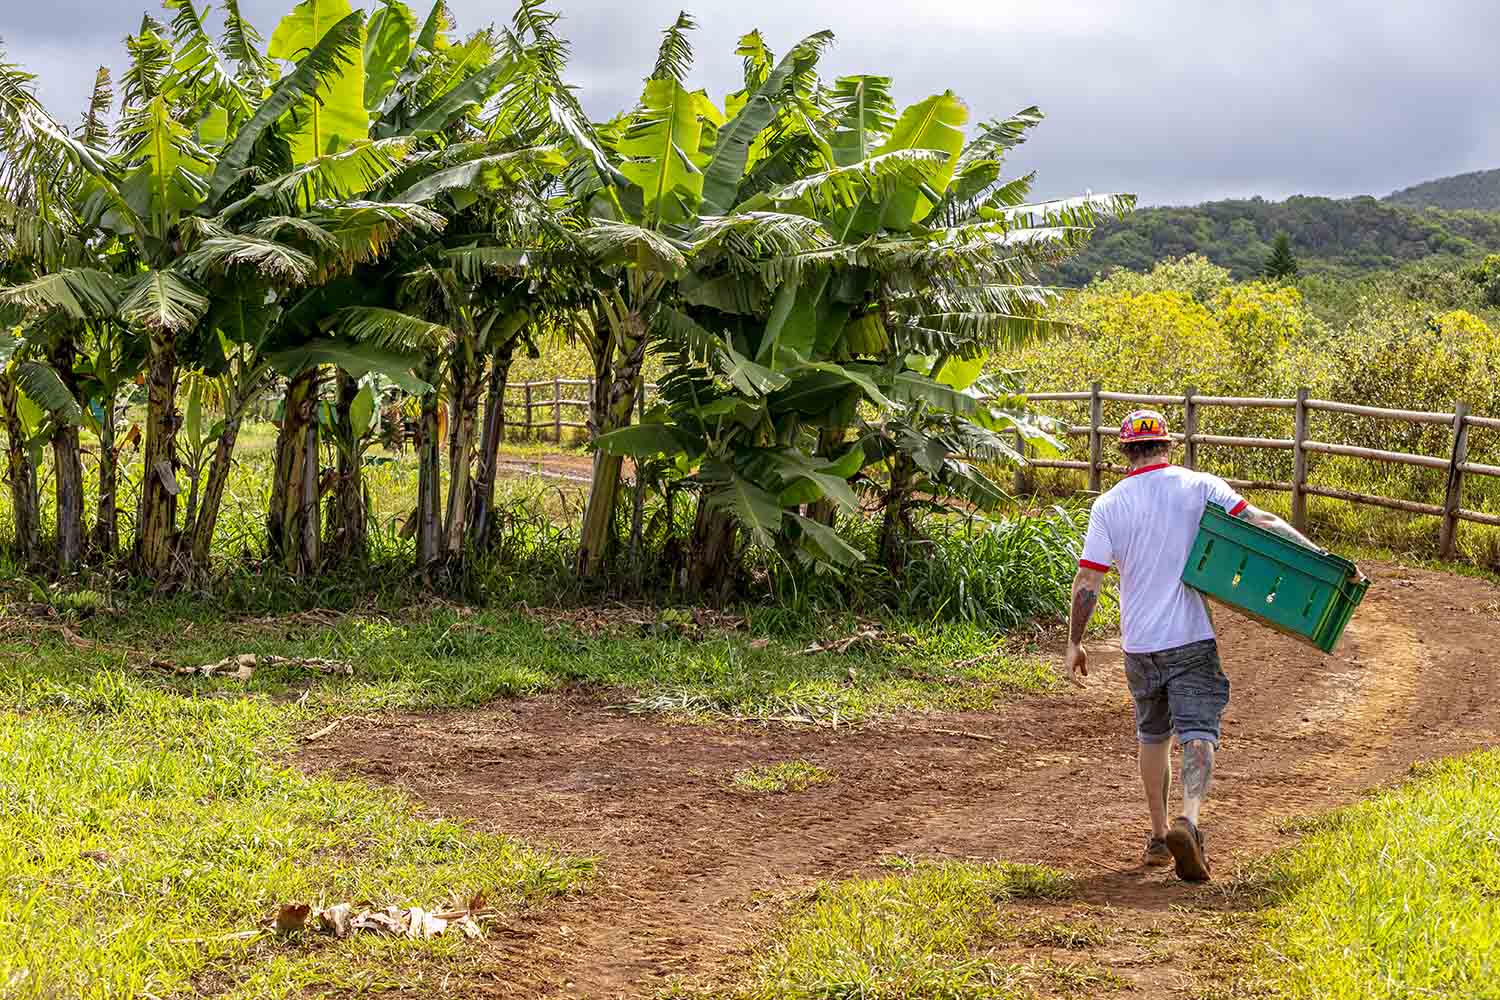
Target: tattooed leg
[1156, 775]
[1197, 774]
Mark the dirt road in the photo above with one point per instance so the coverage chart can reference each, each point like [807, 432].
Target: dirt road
[692, 871]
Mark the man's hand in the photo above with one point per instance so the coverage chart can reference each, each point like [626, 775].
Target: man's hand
[1077, 662]
[1086, 585]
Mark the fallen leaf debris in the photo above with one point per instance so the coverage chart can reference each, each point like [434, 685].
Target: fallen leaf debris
[342, 920]
[243, 666]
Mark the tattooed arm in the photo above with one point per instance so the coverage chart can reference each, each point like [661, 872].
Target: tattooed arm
[1269, 521]
[1265, 519]
[1086, 587]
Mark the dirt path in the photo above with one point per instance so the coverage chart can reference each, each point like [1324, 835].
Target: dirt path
[691, 871]
[567, 467]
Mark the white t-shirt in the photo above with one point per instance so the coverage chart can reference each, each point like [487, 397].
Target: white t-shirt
[1145, 526]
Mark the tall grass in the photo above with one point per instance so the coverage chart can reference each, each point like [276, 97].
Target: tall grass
[998, 572]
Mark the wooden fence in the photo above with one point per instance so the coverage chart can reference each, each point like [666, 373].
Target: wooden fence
[532, 399]
[1455, 464]
[548, 397]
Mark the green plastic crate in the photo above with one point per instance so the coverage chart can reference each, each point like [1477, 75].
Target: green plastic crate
[1290, 587]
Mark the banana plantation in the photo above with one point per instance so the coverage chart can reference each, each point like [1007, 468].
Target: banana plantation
[368, 205]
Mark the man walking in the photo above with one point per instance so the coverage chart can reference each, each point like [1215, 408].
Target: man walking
[1145, 526]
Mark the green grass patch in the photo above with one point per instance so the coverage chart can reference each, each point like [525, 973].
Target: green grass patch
[446, 656]
[788, 776]
[926, 931]
[140, 830]
[1398, 896]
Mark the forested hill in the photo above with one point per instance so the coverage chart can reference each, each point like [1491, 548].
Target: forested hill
[1346, 236]
[1479, 190]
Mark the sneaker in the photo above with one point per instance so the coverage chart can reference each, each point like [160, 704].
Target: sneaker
[1185, 841]
[1157, 854]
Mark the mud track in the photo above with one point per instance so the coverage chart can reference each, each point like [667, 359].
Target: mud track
[694, 874]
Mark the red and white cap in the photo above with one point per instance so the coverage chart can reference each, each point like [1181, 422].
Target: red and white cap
[1144, 425]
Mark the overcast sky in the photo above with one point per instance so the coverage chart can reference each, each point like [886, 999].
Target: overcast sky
[1178, 101]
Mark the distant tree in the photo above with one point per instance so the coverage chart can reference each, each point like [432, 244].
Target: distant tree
[1486, 274]
[1281, 263]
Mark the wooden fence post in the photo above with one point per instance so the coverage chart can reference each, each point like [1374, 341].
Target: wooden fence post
[557, 408]
[1096, 443]
[1020, 483]
[1299, 463]
[1190, 428]
[527, 387]
[1449, 540]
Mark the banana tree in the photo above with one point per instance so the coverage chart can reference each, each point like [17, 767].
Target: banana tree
[40, 239]
[23, 421]
[425, 91]
[681, 159]
[805, 302]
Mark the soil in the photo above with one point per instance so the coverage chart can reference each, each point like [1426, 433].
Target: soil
[694, 875]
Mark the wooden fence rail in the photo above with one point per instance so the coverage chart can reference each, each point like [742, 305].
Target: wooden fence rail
[1455, 464]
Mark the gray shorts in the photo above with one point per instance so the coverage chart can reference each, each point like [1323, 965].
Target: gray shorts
[1182, 689]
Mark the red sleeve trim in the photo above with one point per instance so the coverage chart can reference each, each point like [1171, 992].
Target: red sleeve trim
[1239, 508]
[1086, 564]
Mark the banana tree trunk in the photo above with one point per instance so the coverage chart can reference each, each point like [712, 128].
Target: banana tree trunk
[68, 479]
[275, 544]
[297, 478]
[348, 528]
[21, 474]
[466, 369]
[105, 540]
[429, 479]
[711, 554]
[67, 461]
[600, 386]
[598, 516]
[491, 437]
[157, 541]
[894, 525]
[202, 539]
[830, 443]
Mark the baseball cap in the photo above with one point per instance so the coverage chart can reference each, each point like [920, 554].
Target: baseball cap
[1144, 425]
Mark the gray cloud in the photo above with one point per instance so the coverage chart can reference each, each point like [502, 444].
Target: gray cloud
[1177, 100]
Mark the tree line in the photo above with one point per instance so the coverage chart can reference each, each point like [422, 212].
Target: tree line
[379, 197]
[1348, 238]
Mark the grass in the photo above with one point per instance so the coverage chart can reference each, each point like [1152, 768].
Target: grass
[788, 776]
[141, 830]
[925, 931]
[448, 656]
[1396, 897]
